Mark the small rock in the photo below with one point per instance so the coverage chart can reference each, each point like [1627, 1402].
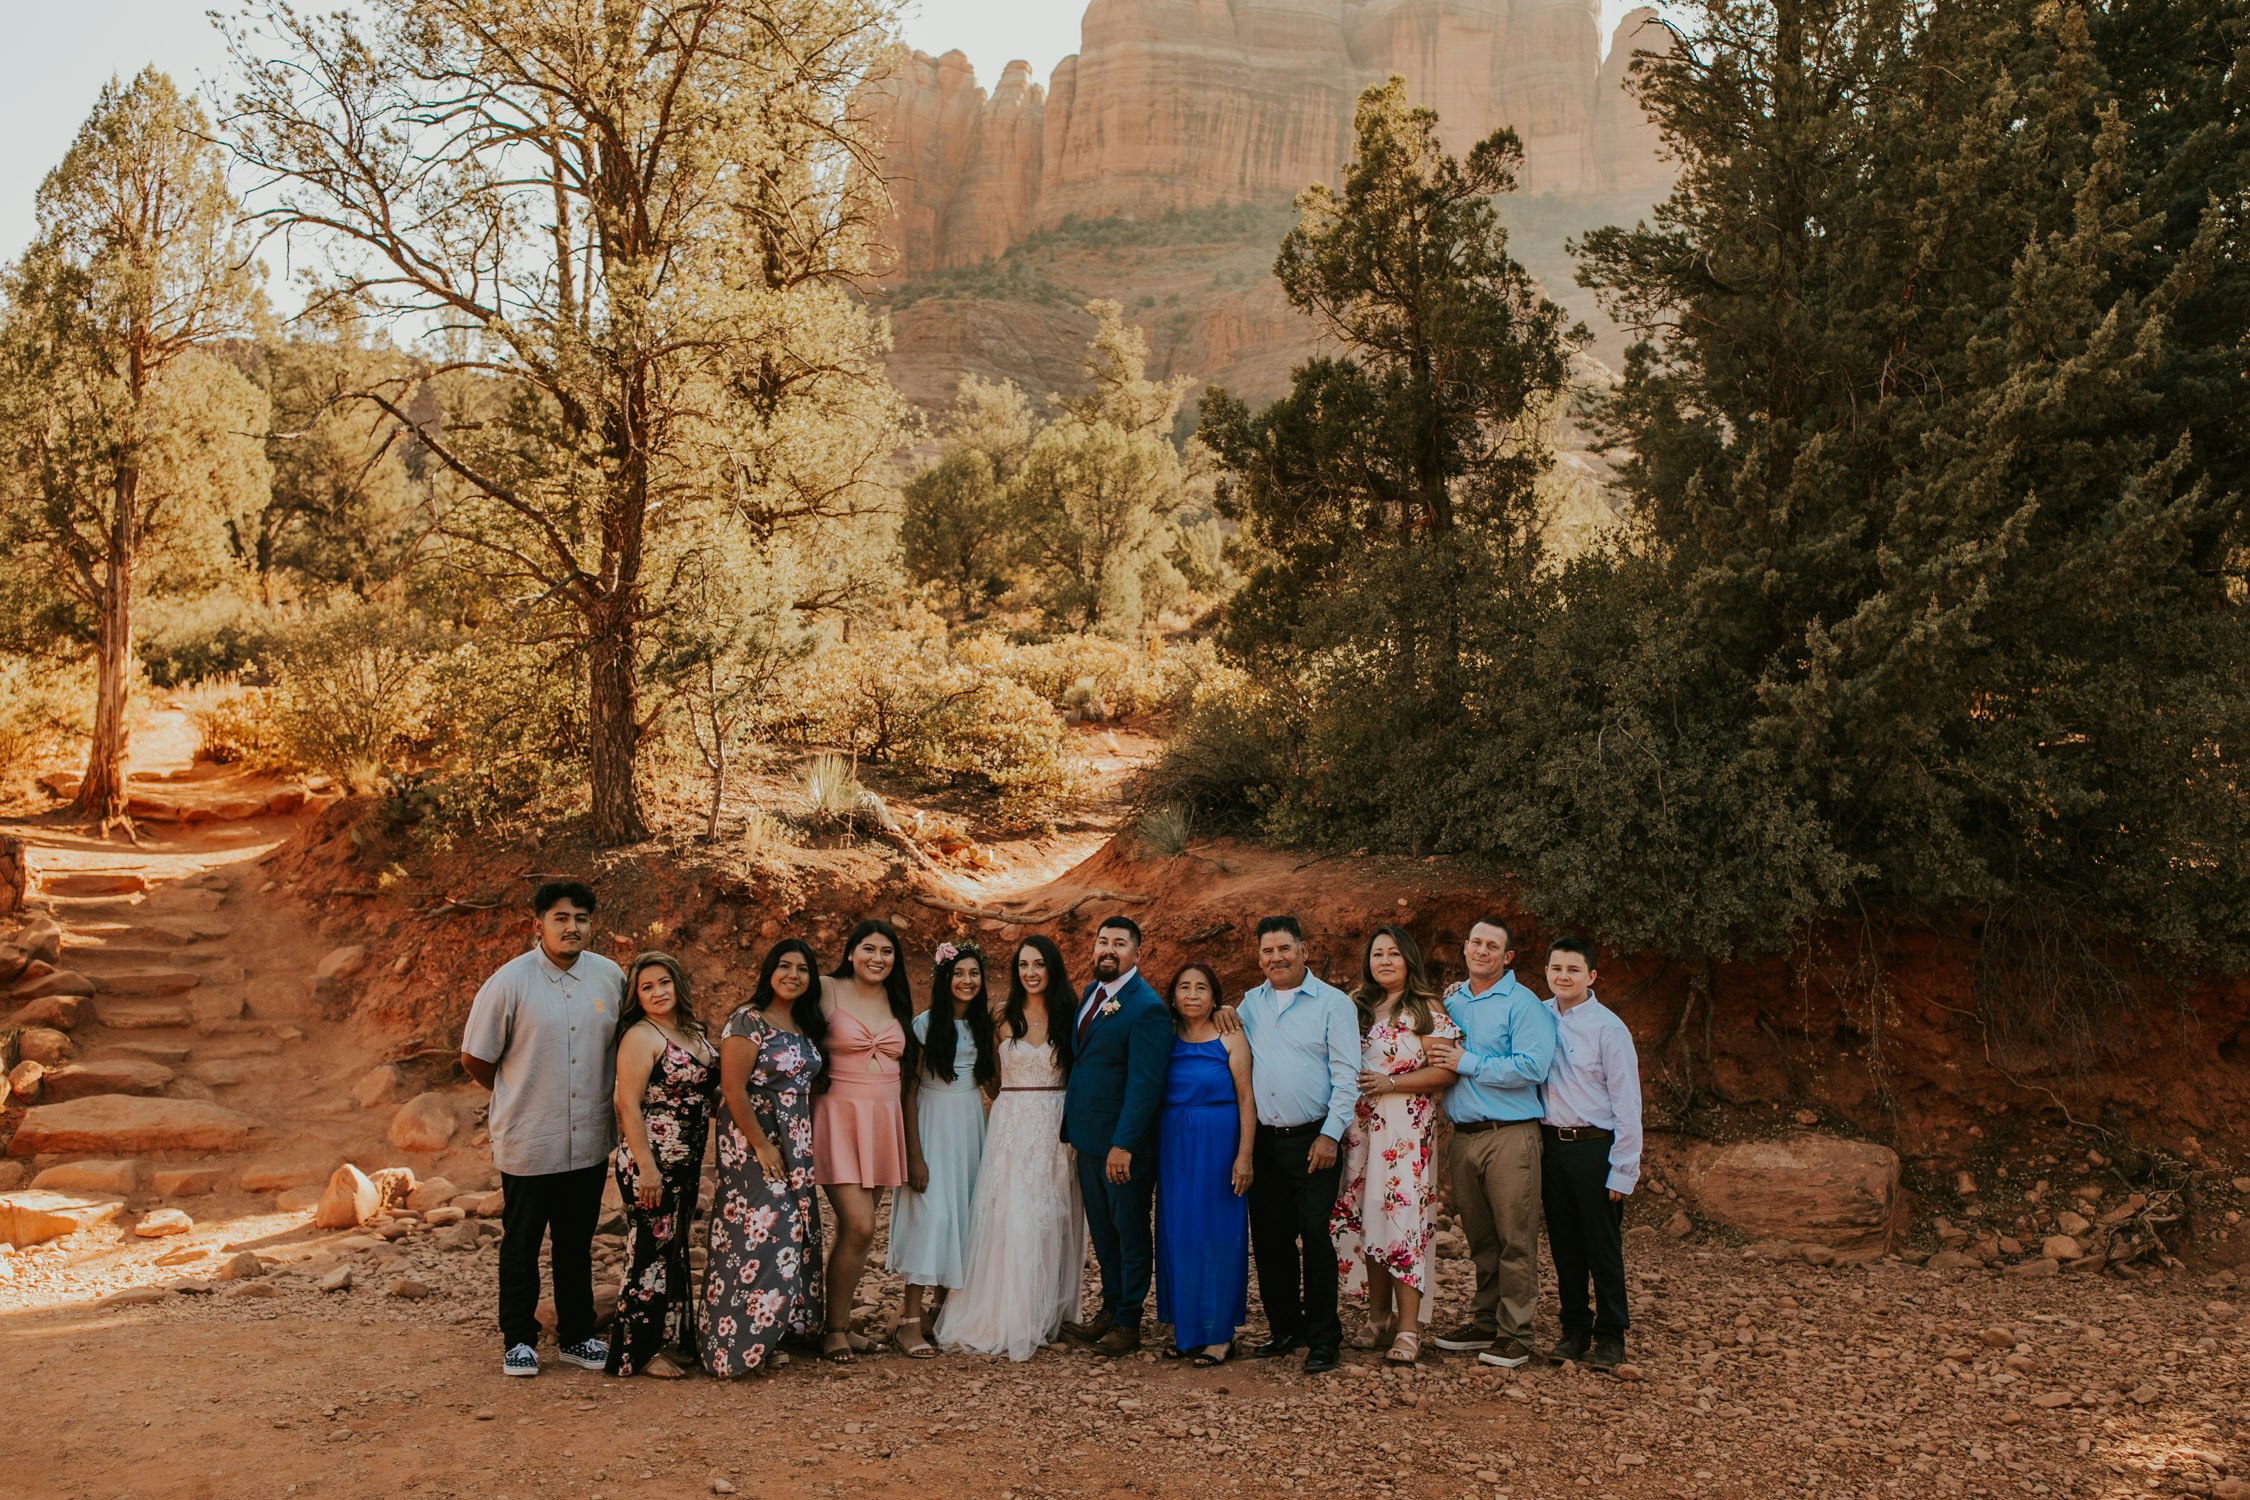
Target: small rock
[242, 1267]
[297, 1200]
[1997, 1337]
[424, 1123]
[185, 1255]
[408, 1289]
[438, 1218]
[457, 1237]
[2049, 1400]
[2073, 1224]
[2142, 1395]
[2035, 1268]
[135, 1296]
[338, 1279]
[24, 1080]
[280, 1176]
[163, 1222]
[429, 1193]
[491, 1204]
[722, 1486]
[253, 1289]
[1964, 1184]
[44, 1045]
[1679, 1226]
[2061, 1247]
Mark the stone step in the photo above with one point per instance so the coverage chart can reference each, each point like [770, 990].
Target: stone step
[142, 984]
[54, 982]
[118, 1178]
[104, 1075]
[142, 1015]
[93, 883]
[35, 1216]
[154, 1051]
[126, 1125]
[93, 957]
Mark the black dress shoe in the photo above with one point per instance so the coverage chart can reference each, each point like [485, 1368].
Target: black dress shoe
[1277, 1346]
[1572, 1347]
[1088, 1331]
[1606, 1355]
[1321, 1358]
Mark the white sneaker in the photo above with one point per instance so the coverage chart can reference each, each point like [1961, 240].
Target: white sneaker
[521, 1359]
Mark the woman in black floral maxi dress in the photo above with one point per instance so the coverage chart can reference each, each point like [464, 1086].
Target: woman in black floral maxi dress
[762, 1282]
[664, 1128]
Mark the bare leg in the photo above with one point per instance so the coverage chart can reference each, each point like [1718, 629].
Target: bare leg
[855, 1234]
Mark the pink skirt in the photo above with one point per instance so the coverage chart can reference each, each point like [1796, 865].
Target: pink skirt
[859, 1132]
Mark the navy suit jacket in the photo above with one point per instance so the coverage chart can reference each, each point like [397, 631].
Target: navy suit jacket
[1117, 1075]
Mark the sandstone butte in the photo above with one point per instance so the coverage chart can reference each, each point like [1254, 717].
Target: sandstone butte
[1186, 104]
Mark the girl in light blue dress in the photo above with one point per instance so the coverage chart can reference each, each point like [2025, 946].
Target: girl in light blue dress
[944, 1140]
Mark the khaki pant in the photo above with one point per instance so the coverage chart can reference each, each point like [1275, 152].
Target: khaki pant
[1496, 1192]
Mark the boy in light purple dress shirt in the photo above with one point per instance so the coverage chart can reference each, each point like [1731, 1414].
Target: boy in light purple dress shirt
[1590, 1158]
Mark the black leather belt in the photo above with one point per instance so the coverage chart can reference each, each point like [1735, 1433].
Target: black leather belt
[1471, 1127]
[1577, 1133]
[1308, 1126]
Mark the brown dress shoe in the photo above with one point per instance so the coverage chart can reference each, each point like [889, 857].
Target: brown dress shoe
[1088, 1331]
[1119, 1340]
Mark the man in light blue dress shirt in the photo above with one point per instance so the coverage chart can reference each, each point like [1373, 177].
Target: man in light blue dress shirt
[1507, 1044]
[1304, 1080]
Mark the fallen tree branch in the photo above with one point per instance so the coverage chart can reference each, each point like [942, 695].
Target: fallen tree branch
[451, 906]
[1020, 919]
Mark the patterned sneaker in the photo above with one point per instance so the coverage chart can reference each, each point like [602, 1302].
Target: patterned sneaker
[521, 1359]
[587, 1354]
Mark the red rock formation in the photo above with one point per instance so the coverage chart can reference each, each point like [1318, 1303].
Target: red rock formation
[1627, 148]
[1174, 104]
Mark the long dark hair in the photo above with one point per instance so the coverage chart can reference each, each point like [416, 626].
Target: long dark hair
[940, 1046]
[805, 1009]
[1060, 1018]
[631, 1014]
[1417, 1001]
[896, 990]
[1172, 990]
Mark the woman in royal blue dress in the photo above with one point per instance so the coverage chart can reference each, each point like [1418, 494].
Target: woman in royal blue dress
[1202, 1171]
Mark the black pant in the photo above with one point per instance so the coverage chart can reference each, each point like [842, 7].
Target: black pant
[1117, 1219]
[562, 1206]
[1585, 1233]
[1289, 1208]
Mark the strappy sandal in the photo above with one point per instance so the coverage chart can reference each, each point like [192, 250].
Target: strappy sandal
[920, 1348]
[1405, 1349]
[836, 1348]
[862, 1344]
[1374, 1336]
[1204, 1359]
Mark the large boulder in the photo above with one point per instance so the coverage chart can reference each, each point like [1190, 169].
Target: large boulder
[349, 1201]
[1807, 1189]
[45, 1045]
[124, 1125]
[62, 1012]
[424, 1123]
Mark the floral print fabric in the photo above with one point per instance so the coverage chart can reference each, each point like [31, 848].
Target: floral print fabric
[655, 1307]
[762, 1281]
[1389, 1198]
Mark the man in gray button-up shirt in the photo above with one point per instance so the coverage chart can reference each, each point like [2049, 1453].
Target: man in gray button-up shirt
[539, 1036]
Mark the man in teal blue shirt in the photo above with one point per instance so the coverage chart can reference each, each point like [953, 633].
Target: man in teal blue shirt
[1507, 1044]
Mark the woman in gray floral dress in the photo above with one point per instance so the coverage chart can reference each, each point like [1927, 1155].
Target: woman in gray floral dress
[762, 1282]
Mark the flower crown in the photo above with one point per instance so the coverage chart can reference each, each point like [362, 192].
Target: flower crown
[948, 952]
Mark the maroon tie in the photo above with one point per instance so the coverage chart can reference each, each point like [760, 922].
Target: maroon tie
[1093, 1009]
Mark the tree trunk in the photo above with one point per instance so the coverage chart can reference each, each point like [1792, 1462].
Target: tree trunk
[613, 754]
[101, 795]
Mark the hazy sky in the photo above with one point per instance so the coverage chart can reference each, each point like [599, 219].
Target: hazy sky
[64, 51]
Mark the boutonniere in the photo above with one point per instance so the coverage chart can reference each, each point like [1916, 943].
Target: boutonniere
[1112, 1007]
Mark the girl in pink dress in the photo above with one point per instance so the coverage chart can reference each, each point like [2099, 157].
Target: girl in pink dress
[1387, 1208]
[859, 1117]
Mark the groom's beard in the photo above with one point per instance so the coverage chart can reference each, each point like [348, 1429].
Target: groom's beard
[1105, 967]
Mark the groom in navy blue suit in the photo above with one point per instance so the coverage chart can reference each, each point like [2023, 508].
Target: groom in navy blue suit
[1121, 1047]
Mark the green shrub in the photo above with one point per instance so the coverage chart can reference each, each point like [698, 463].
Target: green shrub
[43, 707]
[1233, 755]
[194, 638]
[351, 689]
[1006, 736]
[236, 725]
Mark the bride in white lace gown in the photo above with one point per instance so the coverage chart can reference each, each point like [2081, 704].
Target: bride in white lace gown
[1027, 1231]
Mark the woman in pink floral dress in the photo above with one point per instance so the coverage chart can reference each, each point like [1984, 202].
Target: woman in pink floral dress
[762, 1282]
[1384, 1214]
